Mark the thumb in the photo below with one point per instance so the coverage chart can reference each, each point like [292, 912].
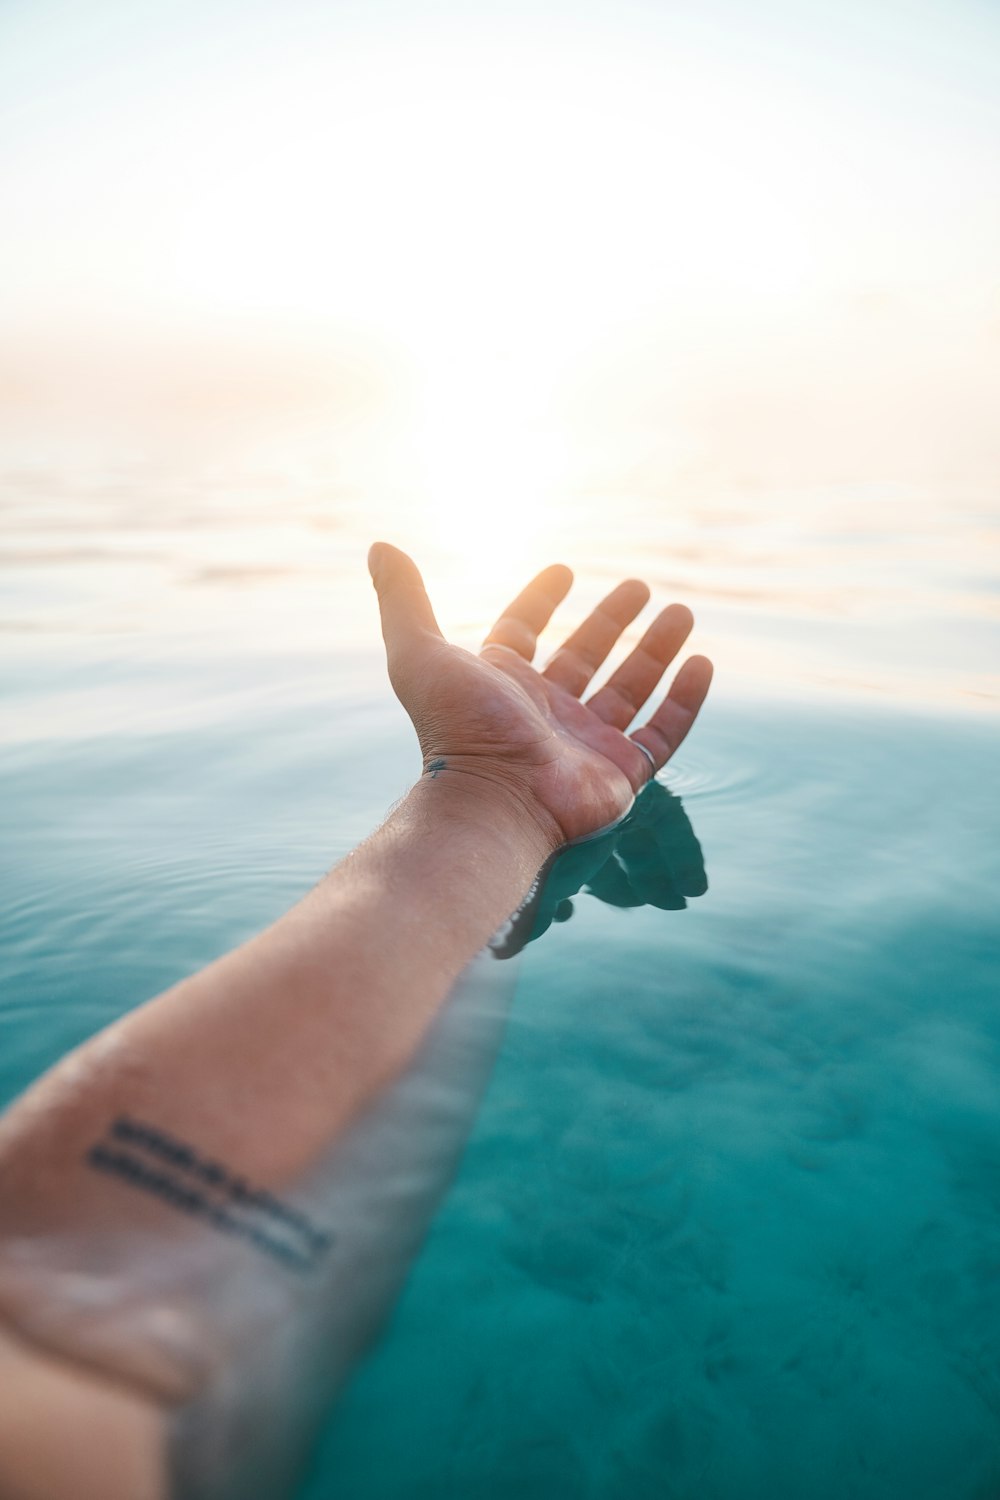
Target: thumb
[402, 599]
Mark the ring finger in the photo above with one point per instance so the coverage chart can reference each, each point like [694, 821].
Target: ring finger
[627, 689]
[576, 661]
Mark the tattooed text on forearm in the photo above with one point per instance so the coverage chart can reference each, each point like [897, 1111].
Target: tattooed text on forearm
[148, 1158]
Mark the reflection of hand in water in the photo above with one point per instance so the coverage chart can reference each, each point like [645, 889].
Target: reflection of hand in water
[650, 858]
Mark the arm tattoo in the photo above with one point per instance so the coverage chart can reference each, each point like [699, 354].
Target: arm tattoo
[148, 1158]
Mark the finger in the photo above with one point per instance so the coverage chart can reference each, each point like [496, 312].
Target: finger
[522, 621]
[575, 663]
[678, 711]
[403, 604]
[624, 693]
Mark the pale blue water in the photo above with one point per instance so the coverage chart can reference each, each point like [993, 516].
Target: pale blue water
[728, 1224]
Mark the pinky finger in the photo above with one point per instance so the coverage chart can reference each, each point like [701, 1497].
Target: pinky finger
[678, 711]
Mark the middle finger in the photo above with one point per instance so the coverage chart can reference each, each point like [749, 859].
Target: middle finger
[576, 661]
[626, 690]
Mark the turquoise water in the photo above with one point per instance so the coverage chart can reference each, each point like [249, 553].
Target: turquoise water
[728, 1224]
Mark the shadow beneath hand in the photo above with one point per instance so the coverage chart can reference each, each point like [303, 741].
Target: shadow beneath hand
[650, 858]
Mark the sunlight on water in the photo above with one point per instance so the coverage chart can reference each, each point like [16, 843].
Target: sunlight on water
[870, 593]
[704, 295]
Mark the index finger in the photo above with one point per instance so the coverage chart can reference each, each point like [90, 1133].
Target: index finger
[527, 616]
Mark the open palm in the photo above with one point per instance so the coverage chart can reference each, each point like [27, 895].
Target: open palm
[497, 717]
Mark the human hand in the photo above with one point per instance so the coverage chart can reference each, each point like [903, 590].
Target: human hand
[508, 729]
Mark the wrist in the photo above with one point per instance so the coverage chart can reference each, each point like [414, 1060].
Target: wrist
[489, 802]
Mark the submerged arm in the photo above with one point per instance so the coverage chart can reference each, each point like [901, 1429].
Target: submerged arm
[223, 1094]
[169, 1165]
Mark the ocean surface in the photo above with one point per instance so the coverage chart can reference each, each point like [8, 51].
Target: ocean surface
[728, 1223]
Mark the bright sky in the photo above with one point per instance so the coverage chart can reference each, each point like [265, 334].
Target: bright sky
[569, 245]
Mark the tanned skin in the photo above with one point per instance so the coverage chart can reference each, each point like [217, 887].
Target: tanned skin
[316, 1016]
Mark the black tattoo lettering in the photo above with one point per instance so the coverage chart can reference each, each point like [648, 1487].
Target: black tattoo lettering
[155, 1162]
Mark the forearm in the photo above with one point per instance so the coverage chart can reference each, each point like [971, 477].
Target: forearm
[260, 1063]
[211, 1175]
[65, 1431]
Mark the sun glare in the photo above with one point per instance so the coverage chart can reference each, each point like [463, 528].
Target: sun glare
[491, 472]
[587, 257]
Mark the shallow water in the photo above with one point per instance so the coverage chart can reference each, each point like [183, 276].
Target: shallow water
[729, 1220]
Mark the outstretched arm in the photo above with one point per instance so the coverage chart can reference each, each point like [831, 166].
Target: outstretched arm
[163, 1161]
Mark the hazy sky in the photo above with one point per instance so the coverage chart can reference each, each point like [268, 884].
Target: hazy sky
[757, 236]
